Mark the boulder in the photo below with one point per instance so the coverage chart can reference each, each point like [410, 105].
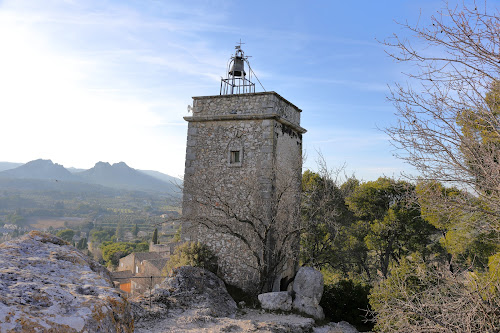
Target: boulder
[276, 301]
[308, 287]
[48, 285]
[194, 288]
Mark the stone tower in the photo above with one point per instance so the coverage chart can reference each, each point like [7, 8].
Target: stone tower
[242, 184]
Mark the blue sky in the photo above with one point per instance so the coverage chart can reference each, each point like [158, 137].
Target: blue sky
[88, 81]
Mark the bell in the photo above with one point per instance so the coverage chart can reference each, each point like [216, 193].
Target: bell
[238, 67]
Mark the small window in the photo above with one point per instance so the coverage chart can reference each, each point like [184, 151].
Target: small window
[235, 156]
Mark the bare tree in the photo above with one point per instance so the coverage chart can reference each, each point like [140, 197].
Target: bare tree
[258, 229]
[328, 220]
[449, 111]
[419, 298]
[449, 130]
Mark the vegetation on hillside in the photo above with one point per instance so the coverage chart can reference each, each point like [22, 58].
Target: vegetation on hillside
[192, 254]
[428, 246]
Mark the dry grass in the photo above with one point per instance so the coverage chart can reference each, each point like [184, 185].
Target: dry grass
[43, 223]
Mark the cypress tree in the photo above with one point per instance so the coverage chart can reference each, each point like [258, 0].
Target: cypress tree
[155, 236]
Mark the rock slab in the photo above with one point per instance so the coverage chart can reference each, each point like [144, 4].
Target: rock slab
[342, 327]
[190, 288]
[276, 301]
[46, 285]
[308, 287]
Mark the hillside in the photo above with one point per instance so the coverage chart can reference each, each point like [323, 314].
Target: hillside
[8, 165]
[117, 176]
[120, 175]
[163, 177]
[40, 169]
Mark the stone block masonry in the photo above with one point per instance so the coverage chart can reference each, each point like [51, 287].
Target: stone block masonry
[242, 184]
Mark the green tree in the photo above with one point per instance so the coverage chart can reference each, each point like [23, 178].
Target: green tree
[177, 236]
[395, 227]
[155, 236]
[66, 234]
[325, 241]
[112, 252]
[16, 219]
[463, 245]
[135, 230]
[82, 244]
[100, 236]
[120, 232]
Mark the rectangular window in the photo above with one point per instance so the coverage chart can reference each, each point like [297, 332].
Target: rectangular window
[235, 156]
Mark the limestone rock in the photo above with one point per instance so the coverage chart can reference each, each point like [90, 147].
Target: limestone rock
[276, 301]
[196, 289]
[341, 327]
[308, 287]
[48, 285]
[248, 320]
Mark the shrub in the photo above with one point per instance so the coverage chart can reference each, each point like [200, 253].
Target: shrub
[422, 297]
[239, 295]
[346, 300]
[192, 254]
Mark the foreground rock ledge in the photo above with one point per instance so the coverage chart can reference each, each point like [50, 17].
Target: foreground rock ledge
[46, 285]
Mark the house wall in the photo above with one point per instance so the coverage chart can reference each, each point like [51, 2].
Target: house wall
[127, 263]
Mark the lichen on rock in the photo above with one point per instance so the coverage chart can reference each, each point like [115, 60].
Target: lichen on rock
[46, 285]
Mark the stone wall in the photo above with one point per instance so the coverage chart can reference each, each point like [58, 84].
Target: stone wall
[246, 104]
[225, 200]
[127, 263]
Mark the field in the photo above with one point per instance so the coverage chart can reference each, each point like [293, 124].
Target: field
[44, 223]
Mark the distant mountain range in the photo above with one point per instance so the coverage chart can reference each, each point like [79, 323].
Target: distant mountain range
[117, 176]
[9, 165]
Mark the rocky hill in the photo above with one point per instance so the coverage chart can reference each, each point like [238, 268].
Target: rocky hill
[47, 285]
[40, 169]
[120, 175]
[8, 165]
[117, 176]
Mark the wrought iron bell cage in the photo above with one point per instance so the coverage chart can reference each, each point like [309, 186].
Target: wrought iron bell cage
[237, 80]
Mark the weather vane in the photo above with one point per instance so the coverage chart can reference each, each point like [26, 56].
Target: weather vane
[238, 47]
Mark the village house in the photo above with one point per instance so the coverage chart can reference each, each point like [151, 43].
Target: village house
[140, 271]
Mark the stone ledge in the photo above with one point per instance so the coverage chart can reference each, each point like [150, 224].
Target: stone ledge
[249, 94]
[274, 116]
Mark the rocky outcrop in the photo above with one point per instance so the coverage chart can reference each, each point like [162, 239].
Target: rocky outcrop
[189, 288]
[46, 285]
[342, 327]
[247, 320]
[308, 287]
[281, 300]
